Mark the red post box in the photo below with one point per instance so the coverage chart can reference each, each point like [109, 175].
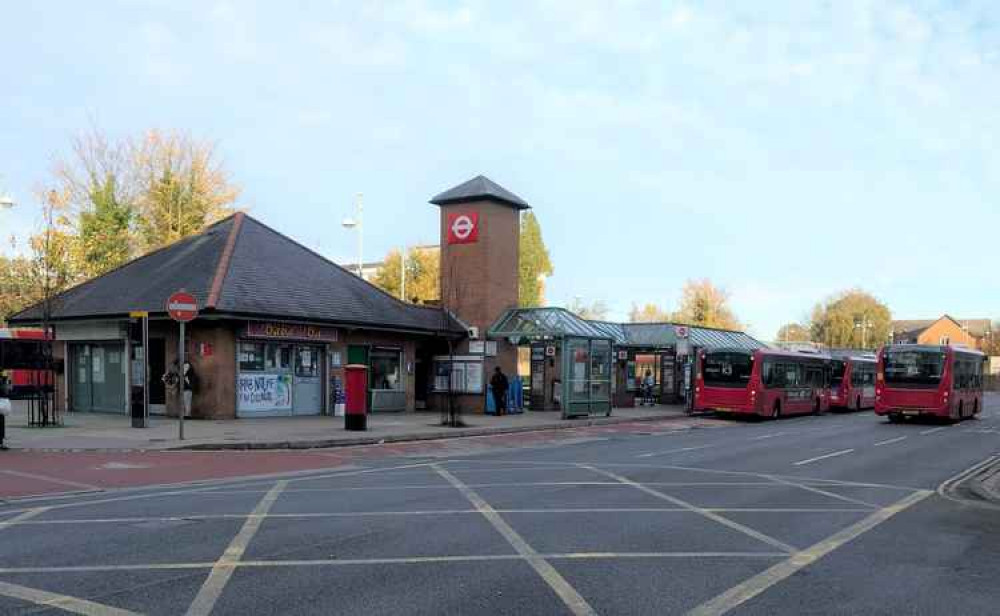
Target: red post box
[356, 397]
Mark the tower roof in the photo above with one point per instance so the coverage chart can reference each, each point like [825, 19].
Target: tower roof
[480, 188]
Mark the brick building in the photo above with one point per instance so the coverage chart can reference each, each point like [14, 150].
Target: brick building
[973, 333]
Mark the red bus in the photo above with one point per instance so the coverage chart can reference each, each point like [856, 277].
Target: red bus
[20, 359]
[852, 380]
[917, 380]
[765, 382]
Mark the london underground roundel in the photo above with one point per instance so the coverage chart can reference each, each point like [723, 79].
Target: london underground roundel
[463, 227]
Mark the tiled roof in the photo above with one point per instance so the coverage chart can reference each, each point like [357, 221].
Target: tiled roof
[241, 267]
[480, 188]
[913, 327]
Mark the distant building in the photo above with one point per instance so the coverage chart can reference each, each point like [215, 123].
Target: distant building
[944, 330]
[370, 269]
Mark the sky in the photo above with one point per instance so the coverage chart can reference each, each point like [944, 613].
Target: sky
[785, 150]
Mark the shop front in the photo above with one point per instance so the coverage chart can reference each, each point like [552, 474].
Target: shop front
[280, 369]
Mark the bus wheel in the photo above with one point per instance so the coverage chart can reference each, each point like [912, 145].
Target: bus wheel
[895, 418]
[961, 411]
[776, 412]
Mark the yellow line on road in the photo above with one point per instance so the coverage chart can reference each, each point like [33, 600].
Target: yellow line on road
[741, 593]
[212, 589]
[746, 530]
[62, 602]
[573, 600]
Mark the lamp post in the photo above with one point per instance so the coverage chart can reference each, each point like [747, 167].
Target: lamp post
[863, 324]
[358, 222]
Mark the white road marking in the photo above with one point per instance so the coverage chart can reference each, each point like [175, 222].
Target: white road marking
[404, 560]
[23, 517]
[890, 441]
[816, 490]
[760, 438]
[573, 600]
[669, 451]
[62, 602]
[212, 589]
[944, 490]
[933, 430]
[46, 478]
[824, 457]
[746, 530]
[743, 592]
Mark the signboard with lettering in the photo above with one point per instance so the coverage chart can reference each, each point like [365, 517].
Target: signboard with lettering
[463, 227]
[263, 392]
[289, 331]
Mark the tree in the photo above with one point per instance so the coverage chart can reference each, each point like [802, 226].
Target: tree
[104, 230]
[851, 319]
[17, 286]
[706, 305]
[534, 261]
[793, 332]
[423, 275]
[594, 311]
[648, 313]
[182, 187]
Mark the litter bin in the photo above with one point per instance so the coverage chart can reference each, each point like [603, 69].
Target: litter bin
[356, 393]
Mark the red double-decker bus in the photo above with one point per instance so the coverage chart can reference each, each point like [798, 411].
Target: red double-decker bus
[852, 380]
[915, 380]
[21, 361]
[765, 382]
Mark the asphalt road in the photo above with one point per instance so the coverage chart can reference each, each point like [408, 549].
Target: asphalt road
[836, 514]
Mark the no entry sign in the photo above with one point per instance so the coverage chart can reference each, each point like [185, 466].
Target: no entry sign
[463, 228]
[182, 307]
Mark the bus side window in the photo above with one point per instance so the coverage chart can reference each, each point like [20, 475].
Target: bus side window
[766, 373]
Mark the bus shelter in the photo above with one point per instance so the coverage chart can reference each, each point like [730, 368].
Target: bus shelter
[570, 359]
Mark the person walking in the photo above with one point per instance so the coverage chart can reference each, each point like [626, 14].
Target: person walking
[499, 383]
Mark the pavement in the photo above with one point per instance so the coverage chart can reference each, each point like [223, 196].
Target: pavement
[836, 514]
[107, 432]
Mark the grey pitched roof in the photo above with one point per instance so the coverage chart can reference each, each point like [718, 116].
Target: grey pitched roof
[913, 327]
[480, 188]
[241, 267]
[665, 334]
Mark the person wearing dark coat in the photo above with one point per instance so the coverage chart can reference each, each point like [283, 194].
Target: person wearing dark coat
[499, 384]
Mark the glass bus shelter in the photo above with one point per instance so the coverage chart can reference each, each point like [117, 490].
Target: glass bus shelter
[570, 367]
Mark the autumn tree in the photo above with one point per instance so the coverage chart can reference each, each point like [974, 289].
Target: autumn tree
[704, 304]
[592, 311]
[793, 332]
[182, 187]
[648, 313]
[851, 319]
[18, 288]
[534, 262]
[423, 274]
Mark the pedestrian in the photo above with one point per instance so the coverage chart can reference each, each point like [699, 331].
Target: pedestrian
[4, 411]
[172, 379]
[499, 384]
[647, 388]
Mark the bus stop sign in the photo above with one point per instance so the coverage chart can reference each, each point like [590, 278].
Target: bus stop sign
[182, 307]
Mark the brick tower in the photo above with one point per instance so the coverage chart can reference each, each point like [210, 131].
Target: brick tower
[480, 234]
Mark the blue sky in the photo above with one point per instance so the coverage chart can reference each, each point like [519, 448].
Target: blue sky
[785, 150]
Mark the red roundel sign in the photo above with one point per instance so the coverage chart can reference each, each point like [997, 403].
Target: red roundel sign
[182, 306]
[463, 227]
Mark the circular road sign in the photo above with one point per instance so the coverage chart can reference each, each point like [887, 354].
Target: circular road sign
[182, 306]
[462, 227]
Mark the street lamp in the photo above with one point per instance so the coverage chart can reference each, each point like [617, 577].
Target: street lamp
[351, 223]
[863, 324]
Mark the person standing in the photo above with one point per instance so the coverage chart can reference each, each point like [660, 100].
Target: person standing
[499, 384]
[647, 388]
[172, 379]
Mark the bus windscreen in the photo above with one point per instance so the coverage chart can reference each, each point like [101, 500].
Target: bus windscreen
[914, 368]
[727, 369]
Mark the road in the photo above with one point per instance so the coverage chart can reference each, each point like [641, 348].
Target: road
[836, 514]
